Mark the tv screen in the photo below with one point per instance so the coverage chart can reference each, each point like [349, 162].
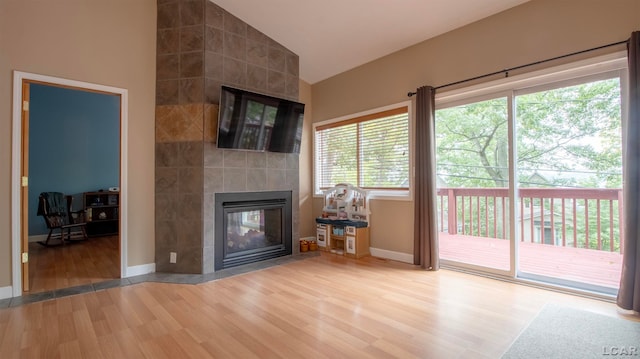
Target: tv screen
[257, 122]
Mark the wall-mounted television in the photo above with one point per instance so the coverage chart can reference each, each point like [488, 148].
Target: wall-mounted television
[257, 122]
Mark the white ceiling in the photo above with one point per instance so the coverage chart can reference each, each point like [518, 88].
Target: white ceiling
[333, 36]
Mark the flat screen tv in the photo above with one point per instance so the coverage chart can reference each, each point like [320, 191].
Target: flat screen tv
[257, 122]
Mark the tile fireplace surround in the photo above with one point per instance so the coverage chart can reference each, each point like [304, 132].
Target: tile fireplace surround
[201, 47]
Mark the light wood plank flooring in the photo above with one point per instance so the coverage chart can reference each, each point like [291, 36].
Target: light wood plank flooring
[325, 306]
[83, 262]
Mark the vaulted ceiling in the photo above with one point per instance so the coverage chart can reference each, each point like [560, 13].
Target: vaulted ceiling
[333, 36]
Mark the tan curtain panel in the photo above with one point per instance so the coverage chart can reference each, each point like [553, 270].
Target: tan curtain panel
[629, 293]
[425, 218]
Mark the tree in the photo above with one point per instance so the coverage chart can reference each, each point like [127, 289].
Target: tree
[569, 135]
[470, 138]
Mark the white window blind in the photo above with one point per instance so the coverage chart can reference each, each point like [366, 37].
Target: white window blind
[371, 151]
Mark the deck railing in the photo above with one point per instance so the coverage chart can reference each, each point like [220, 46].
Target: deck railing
[571, 217]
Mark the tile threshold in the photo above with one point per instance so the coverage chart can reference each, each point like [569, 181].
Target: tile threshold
[161, 277]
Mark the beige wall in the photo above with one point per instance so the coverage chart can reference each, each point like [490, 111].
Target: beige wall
[536, 30]
[103, 42]
[307, 225]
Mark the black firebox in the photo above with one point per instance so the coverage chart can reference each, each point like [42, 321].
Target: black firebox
[251, 227]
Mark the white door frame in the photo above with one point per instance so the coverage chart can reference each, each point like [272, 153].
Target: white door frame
[16, 158]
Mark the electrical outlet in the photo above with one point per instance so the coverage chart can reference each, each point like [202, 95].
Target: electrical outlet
[173, 256]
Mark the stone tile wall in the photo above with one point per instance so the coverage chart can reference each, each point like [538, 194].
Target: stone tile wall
[200, 47]
[246, 171]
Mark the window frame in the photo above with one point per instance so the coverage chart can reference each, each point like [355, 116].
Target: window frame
[389, 194]
[578, 72]
[536, 80]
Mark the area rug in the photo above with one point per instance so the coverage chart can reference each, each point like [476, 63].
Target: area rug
[562, 332]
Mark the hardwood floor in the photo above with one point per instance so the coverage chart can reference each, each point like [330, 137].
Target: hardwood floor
[325, 306]
[78, 263]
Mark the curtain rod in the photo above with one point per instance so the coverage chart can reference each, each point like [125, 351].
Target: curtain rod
[506, 71]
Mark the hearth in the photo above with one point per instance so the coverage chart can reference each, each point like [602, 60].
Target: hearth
[251, 227]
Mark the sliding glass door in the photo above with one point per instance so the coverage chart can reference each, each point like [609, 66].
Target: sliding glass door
[530, 181]
[472, 159]
[570, 182]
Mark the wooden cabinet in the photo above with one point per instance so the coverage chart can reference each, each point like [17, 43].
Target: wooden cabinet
[356, 241]
[349, 241]
[102, 213]
[343, 239]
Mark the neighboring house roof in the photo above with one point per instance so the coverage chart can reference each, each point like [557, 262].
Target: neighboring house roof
[557, 216]
[536, 179]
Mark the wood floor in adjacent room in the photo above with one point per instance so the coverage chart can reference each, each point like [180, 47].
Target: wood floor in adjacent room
[77, 263]
[325, 306]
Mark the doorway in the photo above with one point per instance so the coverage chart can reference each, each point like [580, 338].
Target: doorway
[24, 223]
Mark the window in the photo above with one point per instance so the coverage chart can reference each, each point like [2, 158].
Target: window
[369, 150]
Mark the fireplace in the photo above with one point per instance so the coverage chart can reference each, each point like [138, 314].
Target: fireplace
[251, 227]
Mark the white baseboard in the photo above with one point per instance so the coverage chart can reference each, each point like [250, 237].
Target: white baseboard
[396, 256]
[6, 292]
[38, 238]
[140, 269]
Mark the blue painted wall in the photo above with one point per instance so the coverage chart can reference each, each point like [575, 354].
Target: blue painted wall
[74, 145]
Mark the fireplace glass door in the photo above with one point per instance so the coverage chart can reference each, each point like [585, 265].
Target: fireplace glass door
[253, 230]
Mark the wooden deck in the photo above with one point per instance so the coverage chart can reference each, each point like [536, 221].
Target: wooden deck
[576, 264]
